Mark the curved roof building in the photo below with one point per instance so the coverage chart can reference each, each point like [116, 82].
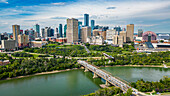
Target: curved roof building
[145, 35]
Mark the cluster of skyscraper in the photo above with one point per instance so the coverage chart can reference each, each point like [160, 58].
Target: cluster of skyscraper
[76, 32]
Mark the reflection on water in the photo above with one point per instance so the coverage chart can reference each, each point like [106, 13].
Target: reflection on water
[71, 83]
[75, 82]
[132, 74]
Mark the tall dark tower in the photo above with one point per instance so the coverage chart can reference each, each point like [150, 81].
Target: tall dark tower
[65, 30]
[60, 30]
[92, 26]
[86, 19]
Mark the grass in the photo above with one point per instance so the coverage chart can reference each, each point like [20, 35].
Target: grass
[166, 93]
[168, 64]
[34, 55]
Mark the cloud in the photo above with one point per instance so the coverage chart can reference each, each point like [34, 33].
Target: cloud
[111, 8]
[55, 4]
[61, 3]
[59, 17]
[30, 20]
[4, 1]
[126, 12]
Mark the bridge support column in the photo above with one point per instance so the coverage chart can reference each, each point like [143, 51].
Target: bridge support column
[95, 75]
[86, 70]
[107, 83]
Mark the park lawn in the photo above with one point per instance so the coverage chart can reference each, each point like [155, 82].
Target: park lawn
[34, 55]
[168, 64]
[126, 52]
[166, 93]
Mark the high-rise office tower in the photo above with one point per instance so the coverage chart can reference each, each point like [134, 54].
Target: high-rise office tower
[42, 33]
[31, 35]
[123, 33]
[79, 30]
[16, 31]
[85, 33]
[65, 30]
[47, 32]
[130, 32]
[92, 26]
[86, 19]
[60, 30]
[92, 23]
[56, 35]
[118, 29]
[72, 30]
[37, 29]
[51, 32]
[140, 32]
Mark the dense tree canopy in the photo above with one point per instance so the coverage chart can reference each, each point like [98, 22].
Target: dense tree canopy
[31, 66]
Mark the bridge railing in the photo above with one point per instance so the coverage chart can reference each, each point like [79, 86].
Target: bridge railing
[111, 74]
[123, 81]
[116, 77]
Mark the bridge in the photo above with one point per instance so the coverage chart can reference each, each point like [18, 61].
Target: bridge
[109, 57]
[108, 77]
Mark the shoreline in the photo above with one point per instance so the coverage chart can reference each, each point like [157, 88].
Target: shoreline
[42, 73]
[58, 71]
[158, 66]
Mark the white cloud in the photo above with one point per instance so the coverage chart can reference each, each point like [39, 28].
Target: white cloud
[125, 12]
[61, 3]
[56, 4]
[4, 1]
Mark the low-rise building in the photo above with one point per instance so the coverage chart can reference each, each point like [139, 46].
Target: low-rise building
[96, 40]
[109, 35]
[118, 40]
[4, 62]
[61, 40]
[23, 40]
[8, 45]
[97, 32]
[38, 43]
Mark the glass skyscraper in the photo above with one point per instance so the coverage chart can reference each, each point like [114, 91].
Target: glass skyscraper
[86, 19]
[60, 30]
[79, 30]
[92, 26]
[65, 29]
[37, 29]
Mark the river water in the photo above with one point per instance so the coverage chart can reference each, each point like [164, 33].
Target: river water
[75, 82]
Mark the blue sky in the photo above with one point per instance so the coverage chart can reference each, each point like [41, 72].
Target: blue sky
[150, 15]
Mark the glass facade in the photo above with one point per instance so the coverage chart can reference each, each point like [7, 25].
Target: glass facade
[65, 29]
[86, 19]
[60, 30]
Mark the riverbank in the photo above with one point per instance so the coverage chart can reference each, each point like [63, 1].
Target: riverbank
[43, 73]
[58, 71]
[137, 66]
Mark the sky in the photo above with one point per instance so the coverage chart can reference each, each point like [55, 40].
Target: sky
[150, 15]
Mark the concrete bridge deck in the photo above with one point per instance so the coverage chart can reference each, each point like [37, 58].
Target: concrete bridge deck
[108, 77]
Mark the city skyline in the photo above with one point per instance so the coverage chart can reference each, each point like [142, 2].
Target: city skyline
[150, 15]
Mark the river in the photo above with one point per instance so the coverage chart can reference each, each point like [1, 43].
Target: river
[75, 82]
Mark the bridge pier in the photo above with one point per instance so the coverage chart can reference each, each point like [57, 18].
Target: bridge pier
[107, 83]
[95, 75]
[86, 69]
